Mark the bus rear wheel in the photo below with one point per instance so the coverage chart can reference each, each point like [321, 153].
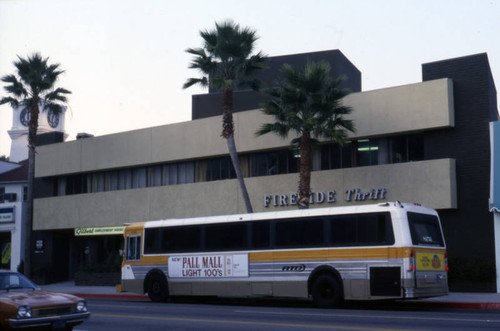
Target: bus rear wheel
[326, 291]
[157, 288]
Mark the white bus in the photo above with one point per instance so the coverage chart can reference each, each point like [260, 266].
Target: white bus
[366, 252]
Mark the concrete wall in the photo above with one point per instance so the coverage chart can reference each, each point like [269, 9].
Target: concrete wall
[224, 197]
[408, 108]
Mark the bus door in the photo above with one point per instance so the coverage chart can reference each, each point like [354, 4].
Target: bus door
[132, 254]
[133, 248]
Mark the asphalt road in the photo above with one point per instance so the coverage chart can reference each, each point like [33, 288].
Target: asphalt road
[125, 315]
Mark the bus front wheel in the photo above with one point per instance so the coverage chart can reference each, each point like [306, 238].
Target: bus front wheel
[157, 288]
[326, 291]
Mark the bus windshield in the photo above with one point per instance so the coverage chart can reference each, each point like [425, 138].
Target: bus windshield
[425, 230]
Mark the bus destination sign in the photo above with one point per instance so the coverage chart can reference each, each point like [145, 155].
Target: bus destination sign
[208, 266]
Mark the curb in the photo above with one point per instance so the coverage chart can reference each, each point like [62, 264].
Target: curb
[111, 296]
[450, 305]
[457, 305]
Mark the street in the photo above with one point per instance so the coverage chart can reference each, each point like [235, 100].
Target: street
[110, 314]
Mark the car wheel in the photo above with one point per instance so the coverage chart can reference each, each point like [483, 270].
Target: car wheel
[157, 288]
[326, 291]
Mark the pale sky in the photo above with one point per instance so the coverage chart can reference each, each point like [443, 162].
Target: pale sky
[125, 60]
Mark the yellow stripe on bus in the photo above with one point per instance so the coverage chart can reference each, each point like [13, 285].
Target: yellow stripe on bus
[311, 254]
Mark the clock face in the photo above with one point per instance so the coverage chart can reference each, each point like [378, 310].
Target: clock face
[25, 117]
[52, 118]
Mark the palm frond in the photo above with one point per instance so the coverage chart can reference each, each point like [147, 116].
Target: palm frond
[57, 95]
[14, 103]
[34, 83]
[278, 128]
[53, 107]
[15, 88]
[192, 81]
[226, 59]
[309, 101]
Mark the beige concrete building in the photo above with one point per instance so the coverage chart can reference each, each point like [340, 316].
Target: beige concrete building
[408, 146]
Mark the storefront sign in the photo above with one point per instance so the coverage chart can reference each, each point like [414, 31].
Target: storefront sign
[279, 200]
[6, 215]
[208, 266]
[99, 231]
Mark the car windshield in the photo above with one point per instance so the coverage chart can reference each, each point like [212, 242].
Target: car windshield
[9, 281]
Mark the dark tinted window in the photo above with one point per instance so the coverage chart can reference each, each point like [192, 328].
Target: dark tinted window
[172, 240]
[343, 230]
[261, 234]
[299, 233]
[361, 230]
[226, 237]
[425, 230]
[152, 242]
[181, 239]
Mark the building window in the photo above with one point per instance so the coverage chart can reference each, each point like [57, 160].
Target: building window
[111, 181]
[265, 164]
[139, 178]
[368, 152]
[25, 193]
[124, 179]
[154, 176]
[178, 173]
[397, 149]
[75, 184]
[273, 163]
[97, 182]
[334, 156]
[214, 169]
[415, 148]
[363, 152]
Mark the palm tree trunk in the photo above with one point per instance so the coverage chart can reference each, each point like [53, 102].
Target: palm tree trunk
[228, 134]
[28, 220]
[237, 168]
[305, 171]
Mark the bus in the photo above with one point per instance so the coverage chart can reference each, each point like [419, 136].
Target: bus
[364, 252]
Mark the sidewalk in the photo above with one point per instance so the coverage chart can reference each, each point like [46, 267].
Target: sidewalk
[91, 291]
[489, 301]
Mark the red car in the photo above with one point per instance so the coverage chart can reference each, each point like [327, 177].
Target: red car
[24, 305]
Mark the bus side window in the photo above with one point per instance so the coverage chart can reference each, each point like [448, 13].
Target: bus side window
[133, 248]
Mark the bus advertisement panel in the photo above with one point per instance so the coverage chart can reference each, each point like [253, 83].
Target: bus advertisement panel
[208, 266]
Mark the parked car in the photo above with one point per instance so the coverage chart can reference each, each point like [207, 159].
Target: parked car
[24, 305]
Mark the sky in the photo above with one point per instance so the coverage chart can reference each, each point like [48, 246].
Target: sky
[125, 60]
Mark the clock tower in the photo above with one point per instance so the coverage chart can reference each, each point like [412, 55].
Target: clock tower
[48, 121]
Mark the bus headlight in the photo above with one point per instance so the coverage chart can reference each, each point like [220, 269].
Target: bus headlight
[24, 312]
[81, 306]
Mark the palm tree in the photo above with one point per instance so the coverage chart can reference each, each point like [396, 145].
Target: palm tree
[32, 87]
[225, 62]
[308, 103]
